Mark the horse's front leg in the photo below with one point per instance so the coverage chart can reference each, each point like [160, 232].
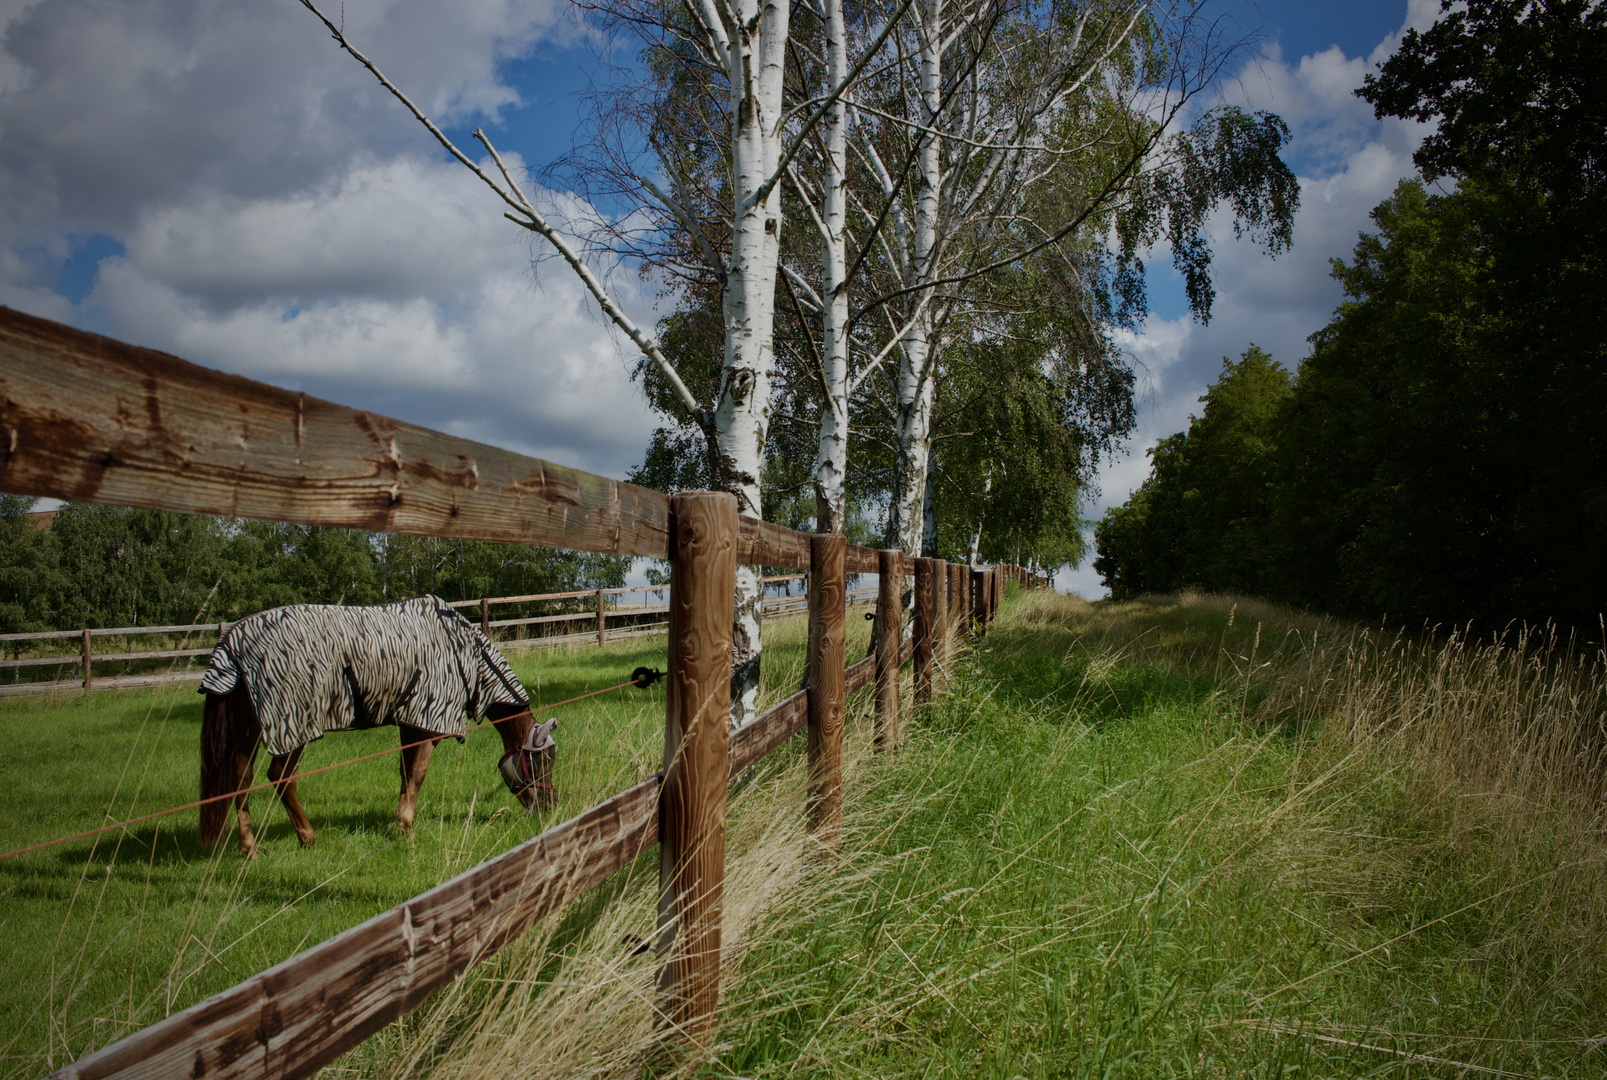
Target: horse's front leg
[417, 746]
[282, 774]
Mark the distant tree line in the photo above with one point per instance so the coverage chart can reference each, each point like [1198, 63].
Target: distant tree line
[1442, 453]
[101, 566]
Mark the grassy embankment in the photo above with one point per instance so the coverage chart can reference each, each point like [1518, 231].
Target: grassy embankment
[100, 936]
[1173, 838]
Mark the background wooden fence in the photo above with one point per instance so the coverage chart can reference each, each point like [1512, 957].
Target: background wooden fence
[91, 419]
[117, 647]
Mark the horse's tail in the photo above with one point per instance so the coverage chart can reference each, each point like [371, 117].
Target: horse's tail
[223, 728]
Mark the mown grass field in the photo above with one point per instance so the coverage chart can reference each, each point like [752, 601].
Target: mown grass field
[98, 937]
[1181, 837]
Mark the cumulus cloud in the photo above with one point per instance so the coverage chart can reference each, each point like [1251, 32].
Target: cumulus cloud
[281, 216]
[1347, 163]
[111, 106]
[391, 289]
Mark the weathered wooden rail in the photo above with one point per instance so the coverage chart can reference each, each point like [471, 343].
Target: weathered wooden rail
[87, 418]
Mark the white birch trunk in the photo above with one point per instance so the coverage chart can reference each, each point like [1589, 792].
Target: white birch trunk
[976, 537]
[831, 455]
[742, 413]
[917, 357]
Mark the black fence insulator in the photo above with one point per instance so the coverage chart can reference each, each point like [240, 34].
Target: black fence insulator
[644, 677]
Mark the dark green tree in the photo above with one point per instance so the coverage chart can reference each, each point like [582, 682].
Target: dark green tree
[28, 568]
[1200, 518]
[122, 566]
[1445, 458]
[272, 563]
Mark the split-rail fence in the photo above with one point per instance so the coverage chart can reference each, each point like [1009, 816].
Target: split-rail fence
[602, 605]
[91, 419]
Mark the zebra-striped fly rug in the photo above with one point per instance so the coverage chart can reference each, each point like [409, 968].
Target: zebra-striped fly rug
[312, 668]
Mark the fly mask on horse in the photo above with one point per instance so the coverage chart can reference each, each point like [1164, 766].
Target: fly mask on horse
[287, 676]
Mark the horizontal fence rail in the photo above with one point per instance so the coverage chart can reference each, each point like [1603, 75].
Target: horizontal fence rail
[599, 616]
[91, 419]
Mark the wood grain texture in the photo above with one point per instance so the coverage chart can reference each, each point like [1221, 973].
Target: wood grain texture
[889, 589]
[979, 600]
[828, 642]
[762, 543]
[940, 624]
[91, 419]
[862, 560]
[921, 632]
[703, 561]
[950, 613]
[294, 1018]
[951, 631]
[858, 676]
[751, 742]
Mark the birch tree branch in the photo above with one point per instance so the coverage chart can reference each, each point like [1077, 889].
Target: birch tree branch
[531, 219]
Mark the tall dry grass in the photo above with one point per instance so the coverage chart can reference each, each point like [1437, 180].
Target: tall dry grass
[1183, 836]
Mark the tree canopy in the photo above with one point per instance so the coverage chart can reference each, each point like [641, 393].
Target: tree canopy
[1440, 455]
[100, 566]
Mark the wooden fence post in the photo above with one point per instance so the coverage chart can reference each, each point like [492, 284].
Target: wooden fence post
[940, 621]
[485, 616]
[602, 629]
[88, 659]
[923, 630]
[950, 646]
[978, 603]
[828, 626]
[703, 539]
[889, 590]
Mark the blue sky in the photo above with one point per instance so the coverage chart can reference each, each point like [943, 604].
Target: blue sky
[219, 181]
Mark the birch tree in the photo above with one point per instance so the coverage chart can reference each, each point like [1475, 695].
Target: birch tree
[1033, 130]
[727, 57]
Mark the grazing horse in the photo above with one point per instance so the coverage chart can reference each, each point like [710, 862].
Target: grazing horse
[286, 676]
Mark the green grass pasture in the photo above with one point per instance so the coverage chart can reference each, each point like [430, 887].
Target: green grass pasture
[101, 936]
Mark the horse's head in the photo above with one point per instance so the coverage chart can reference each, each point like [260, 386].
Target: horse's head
[528, 770]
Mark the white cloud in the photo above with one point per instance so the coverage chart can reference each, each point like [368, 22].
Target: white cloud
[1347, 162]
[393, 289]
[112, 106]
[282, 216]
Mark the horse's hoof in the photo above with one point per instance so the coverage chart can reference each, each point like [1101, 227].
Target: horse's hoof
[249, 854]
[310, 840]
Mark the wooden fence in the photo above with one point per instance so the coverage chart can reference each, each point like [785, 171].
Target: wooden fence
[95, 420]
[84, 658]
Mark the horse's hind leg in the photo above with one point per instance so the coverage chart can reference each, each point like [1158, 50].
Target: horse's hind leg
[417, 746]
[278, 770]
[243, 771]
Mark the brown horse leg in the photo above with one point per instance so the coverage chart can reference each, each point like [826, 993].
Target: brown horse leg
[278, 769]
[417, 746]
[243, 771]
[513, 723]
